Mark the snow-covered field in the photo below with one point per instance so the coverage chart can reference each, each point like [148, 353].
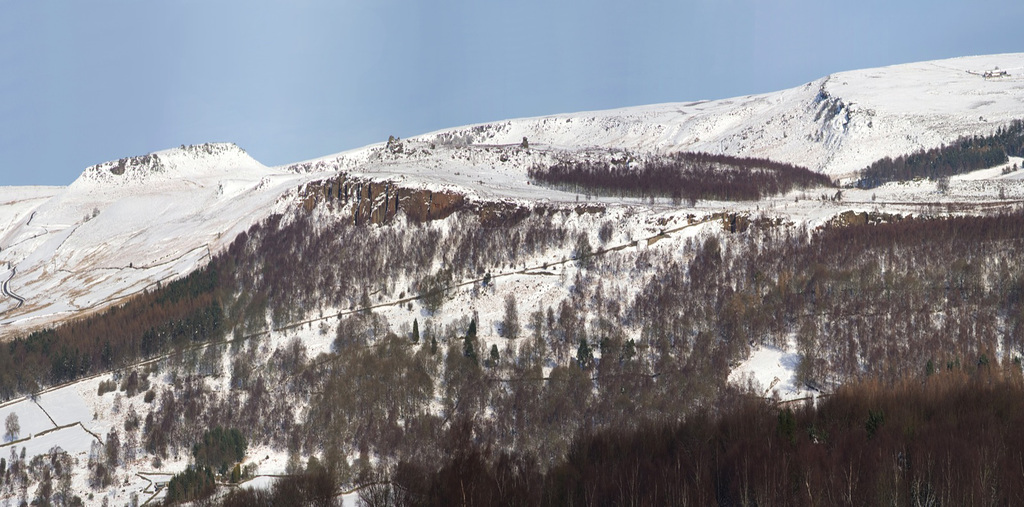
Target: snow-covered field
[31, 418]
[836, 124]
[65, 406]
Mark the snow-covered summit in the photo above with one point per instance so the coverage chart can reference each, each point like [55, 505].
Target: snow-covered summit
[184, 162]
[837, 124]
[124, 225]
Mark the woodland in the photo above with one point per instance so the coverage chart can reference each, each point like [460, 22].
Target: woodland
[618, 393]
[681, 177]
[964, 155]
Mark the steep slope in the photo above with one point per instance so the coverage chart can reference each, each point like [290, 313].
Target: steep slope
[127, 225]
[646, 293]
[836, 125]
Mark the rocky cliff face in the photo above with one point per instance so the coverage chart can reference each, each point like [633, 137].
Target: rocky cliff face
[377, 202]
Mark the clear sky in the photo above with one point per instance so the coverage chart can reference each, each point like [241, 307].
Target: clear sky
[85, 82]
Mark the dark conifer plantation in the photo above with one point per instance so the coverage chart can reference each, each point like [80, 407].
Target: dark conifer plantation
[951, 439]
[964, 155]
[681, 176]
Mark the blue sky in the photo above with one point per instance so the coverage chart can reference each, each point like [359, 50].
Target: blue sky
[86, 82]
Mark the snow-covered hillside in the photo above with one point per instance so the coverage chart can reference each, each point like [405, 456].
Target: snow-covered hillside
[837, 124]
[131, 224]
[124, 226]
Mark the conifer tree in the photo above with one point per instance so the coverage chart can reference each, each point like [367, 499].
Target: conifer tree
[494, 355]
[468, 347]
[584, 357]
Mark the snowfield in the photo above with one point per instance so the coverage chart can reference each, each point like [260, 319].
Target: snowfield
[835, 125]
[108, 236]
[31, 418]
[772, 372]
[65, 406]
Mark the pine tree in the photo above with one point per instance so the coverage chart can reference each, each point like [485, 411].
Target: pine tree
[584, 357]
[364, 302]
[468, 348]
[583, 251]
[415, 331]
[494, 355]
[630, 351]
[468, 345]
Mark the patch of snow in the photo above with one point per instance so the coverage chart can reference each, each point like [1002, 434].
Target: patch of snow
[772, 371]
[65, 405]
[74, 439]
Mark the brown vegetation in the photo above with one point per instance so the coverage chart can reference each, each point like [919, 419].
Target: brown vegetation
[949, 440]
[689, 176]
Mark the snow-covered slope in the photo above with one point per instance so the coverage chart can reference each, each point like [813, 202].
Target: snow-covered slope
[836, 125]
[124, 226]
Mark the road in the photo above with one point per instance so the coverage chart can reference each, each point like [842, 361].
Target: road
[6, 289]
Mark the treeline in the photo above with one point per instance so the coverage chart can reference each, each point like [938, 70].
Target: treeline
[220, 449]
[964, 155]
[891, 301]
[641, 337]
[948, 440]
[193, 483]
[182, 313]
[313, 486]
[895, 300]
[49, 475]
[680, 176]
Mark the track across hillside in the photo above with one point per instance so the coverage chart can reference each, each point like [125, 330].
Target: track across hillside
[6, 289]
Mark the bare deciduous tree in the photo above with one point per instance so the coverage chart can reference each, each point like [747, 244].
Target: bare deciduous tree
[510, 324]
[12, 427]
